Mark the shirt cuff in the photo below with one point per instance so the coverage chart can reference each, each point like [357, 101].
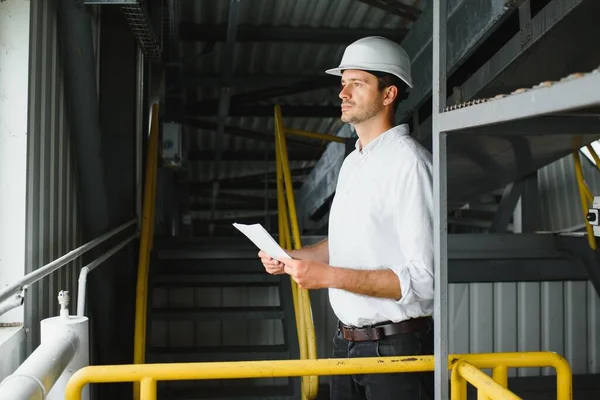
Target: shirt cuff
[416, 283]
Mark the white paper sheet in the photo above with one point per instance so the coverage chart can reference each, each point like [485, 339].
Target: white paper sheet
[263, 240]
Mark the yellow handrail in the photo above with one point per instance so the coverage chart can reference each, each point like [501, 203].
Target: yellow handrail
[146, 243]
[487, 388]
[302, 307]
[315, 135]
[585, 197]
[149, 374]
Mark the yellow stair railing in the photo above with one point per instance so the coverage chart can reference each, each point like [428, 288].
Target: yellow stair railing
[585, 195]
[146, 243]
[149, 374]
[288, 221]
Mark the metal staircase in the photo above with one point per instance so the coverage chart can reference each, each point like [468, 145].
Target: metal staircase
[210, 300]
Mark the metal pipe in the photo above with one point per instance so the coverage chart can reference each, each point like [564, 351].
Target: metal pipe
[139, 134]
[47, 269]
[458, 385]
[40, 371]
[14, 301]
[583, 198]
[81, 293]
[440, 217]
[484, 384]
[306, 322]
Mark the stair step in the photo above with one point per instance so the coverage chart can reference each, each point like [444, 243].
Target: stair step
[218, 353]
[217, 313]
[211, 266]
[246, 392]
[216, 280]
[207, 253]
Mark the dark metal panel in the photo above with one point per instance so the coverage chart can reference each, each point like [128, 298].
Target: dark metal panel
[249, 80]
[206, 33]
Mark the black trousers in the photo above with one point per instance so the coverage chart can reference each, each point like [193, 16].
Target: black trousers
[398, 386]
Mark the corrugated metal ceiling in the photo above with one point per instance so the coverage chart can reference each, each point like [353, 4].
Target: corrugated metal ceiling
[271, 57]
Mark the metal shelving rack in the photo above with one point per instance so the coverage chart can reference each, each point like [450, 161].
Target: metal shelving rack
[527, 111]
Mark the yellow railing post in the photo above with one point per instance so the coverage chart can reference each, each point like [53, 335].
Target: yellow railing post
[500, 375]
[584, 197]
[146, 240]
[487, 388]
[458, 385]
[148, 389]
[594, 155]
[307, 338]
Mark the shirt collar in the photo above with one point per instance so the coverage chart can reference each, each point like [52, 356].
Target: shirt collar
[382, 140]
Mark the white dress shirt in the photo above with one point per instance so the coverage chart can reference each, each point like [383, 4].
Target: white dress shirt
[381, 218]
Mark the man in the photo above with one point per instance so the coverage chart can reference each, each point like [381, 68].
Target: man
[377, 261]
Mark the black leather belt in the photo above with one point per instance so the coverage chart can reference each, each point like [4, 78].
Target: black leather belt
[380, 331]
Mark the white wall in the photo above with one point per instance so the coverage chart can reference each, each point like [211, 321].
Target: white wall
[14, 60]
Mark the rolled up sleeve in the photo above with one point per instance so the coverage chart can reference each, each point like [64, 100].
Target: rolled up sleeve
[413, 219]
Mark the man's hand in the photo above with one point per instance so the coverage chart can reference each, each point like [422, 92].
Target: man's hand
[309, 274]
[272, 266]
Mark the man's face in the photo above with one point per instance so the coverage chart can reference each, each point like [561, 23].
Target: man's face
[361, 98]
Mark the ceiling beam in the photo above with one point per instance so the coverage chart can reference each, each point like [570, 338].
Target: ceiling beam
[253, 155]
[189, 31]
[245, 133]
[258, 110]
[248, 80]
[395, 7]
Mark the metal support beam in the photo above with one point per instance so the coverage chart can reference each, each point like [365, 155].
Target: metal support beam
[225, 97]
[252, 155]
[395, 7]
[507, 206]
[440, 199]
[189, 31]
[299, 86]
[530, 204]
[255, 80]
[245, 133]
[258, 110]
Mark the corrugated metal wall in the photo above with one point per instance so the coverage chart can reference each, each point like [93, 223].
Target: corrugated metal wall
[53, 209]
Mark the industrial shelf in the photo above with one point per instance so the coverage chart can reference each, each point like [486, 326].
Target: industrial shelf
[575, 92]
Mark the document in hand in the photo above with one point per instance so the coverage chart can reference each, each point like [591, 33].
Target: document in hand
[263, 240]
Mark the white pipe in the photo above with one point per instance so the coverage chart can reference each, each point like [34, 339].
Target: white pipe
[38, 373]
[47, 269]
[81, 293]
[81, 289]
[14, 301]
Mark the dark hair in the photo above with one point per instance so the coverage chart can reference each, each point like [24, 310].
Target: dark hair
[386, 80]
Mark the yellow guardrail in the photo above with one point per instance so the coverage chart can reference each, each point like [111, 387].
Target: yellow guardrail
[585, 195]
[146, 243]
[149, 374]
[487, 388]
[288, 218]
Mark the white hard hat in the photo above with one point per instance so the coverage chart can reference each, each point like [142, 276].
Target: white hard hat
[378, 54]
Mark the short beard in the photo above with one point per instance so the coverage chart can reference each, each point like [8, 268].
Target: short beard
[363, 115]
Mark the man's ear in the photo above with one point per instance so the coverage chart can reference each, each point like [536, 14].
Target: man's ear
[391, 92]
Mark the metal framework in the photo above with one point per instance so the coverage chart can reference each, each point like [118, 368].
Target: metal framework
[577, 92]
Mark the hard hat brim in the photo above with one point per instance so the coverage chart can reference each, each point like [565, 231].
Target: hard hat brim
[374, 68]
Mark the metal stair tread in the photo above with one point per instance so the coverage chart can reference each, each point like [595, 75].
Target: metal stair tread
[164, 279]
[218, 353]
[217, 313]
[187, 266]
